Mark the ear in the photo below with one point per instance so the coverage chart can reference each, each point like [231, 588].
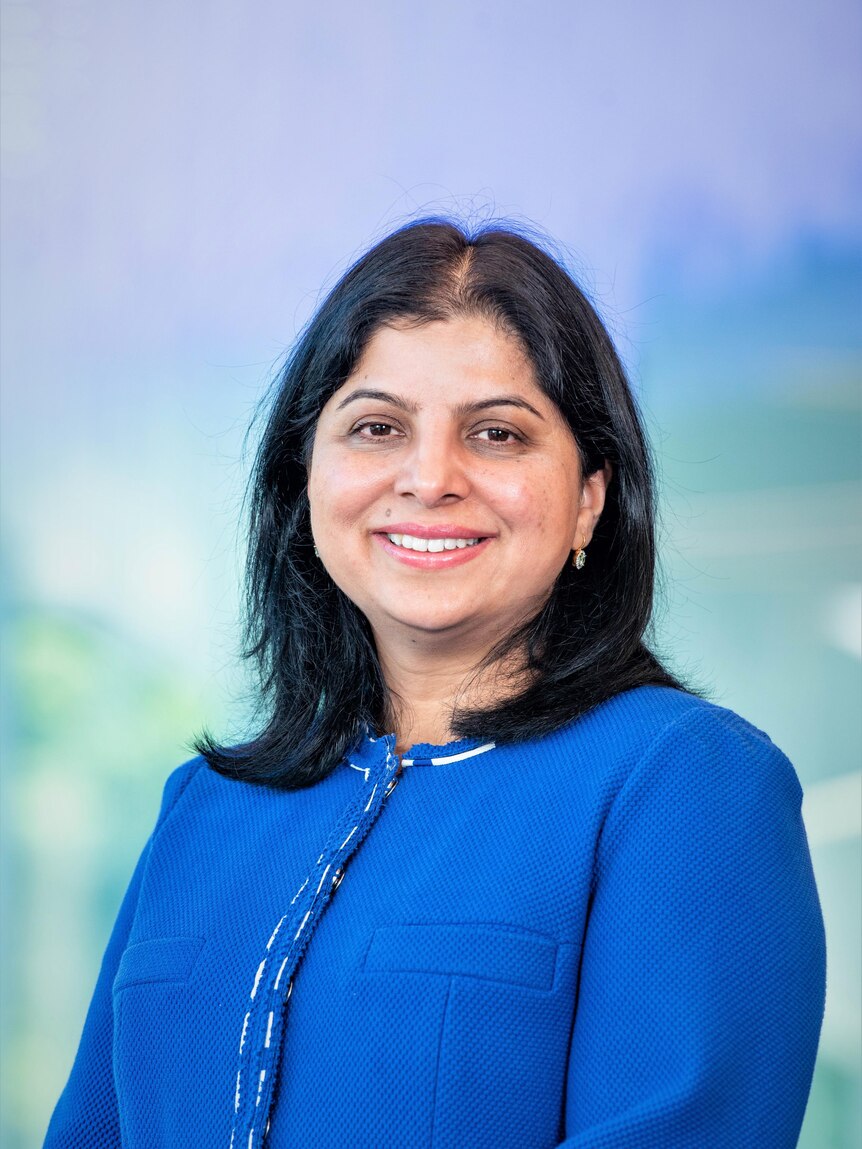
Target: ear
[593, 494]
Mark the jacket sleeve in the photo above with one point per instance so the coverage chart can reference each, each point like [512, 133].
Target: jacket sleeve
[703, 970]
[86, 1116]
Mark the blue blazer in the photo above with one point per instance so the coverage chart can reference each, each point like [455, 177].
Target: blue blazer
[607, 938]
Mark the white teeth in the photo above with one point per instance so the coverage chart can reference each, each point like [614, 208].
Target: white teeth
[412, 543]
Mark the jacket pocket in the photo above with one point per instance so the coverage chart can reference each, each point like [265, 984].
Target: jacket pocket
[499, 1046]
[158, 960]
[156, 1014]
[488, 951]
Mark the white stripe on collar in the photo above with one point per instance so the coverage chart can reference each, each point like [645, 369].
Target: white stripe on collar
[444, 760]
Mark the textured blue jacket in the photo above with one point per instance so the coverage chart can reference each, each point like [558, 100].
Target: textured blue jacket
[609, 938]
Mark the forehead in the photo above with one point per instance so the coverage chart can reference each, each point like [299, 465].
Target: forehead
[461, 358]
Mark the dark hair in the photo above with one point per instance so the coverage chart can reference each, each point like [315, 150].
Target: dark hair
[320, 679]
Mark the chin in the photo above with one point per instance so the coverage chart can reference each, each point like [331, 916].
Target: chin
[430, 621]
[434, 622]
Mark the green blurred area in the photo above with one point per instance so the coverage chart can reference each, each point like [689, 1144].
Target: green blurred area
[96, 724]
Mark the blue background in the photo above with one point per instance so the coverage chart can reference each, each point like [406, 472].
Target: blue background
[181, 184]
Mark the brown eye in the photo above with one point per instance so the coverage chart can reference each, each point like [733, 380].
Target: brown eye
[374, 430]
[500, 435]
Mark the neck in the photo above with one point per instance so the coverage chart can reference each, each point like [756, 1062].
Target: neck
[427, 682]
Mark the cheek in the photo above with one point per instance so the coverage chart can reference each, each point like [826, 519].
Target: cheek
[340, 490]
[542, 503]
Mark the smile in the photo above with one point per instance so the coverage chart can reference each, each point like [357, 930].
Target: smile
[424, 554]
[412, 543]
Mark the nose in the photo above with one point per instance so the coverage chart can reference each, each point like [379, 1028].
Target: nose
[433, 471]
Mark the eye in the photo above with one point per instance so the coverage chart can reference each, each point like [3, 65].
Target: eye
[500, 435]
[374, 430]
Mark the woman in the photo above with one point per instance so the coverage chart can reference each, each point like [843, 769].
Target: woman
[587, 915]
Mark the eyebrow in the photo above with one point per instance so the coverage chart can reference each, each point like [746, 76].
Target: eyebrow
[460, 408]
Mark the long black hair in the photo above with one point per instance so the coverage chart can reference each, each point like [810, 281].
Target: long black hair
[320, 683]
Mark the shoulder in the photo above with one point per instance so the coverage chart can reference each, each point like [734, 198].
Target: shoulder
[671, 737]
[699, 769]
[175, 786]
[702, 731]
[638, 719]
[198, 801]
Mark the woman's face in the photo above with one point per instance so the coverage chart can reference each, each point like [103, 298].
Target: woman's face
[445, 486]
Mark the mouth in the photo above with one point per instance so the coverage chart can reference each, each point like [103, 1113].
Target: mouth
[438, 548]
[433, 545]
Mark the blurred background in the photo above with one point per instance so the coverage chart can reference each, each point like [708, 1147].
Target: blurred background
[181, 184]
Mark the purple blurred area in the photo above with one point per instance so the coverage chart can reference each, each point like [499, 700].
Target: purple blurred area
[182, 182]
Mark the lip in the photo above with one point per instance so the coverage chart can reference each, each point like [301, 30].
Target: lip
[443, 531]
[439, 560]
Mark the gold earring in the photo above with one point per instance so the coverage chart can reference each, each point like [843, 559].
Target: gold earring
[580, 556]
